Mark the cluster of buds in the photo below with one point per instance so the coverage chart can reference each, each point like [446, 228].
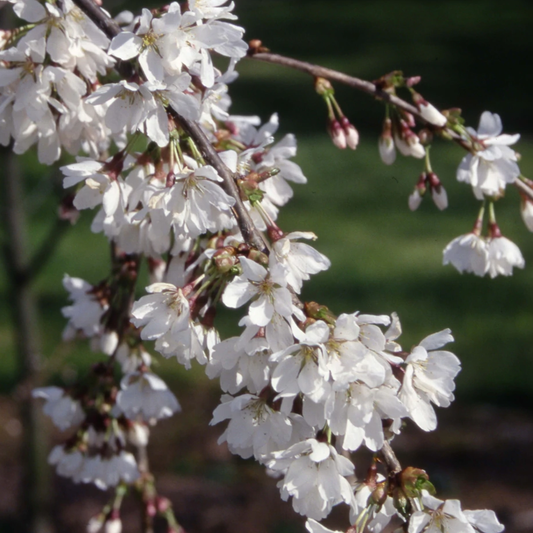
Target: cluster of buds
[428, 180]
[405, 139]
[398, 133]
[340, 129]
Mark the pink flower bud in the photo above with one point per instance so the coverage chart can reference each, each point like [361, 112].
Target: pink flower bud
[428, 111]
[386, 144]
[433, 115]
[113, 524]
[337, 134]
[439, 196]
[352, 135]
[438, 192]
[412, 81]
[415, 199]
[526, 210]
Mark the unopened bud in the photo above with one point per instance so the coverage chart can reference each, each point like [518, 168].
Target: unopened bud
[412, 81]
[113, 524]
[319, 312]
[255, 46]
[408, 119]
[258, 257]
[408, 143]
[138, 434]
[225, 259]
[95, 523]
[352, 135]
[337, 134]
[428, 111]
[163, 504]
[400, 500]
[387, 151]
[67, 211]
[415, 199]
[413, 481]
[109, 342]
[151, 509]
[379, 494]
[438, 192]
[526, 210]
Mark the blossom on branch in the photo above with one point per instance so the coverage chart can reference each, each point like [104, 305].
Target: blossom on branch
[492, 165]
[314, 474]
[428, 379]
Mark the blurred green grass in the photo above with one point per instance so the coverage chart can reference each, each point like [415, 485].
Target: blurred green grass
[472, 54]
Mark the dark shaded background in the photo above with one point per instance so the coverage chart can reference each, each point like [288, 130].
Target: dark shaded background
[471, 54]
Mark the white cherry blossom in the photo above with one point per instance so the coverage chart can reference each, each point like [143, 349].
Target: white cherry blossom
[428, 378]
[268, 288]
[503, 256]
[314, 475]
[64, 411]
[494, 164]
[164, 317]
[254, 427]
[358, 413]
[468, 253]
[448, 517]
[146, 395]
[107, 472]
[300, 259]
[86, 311]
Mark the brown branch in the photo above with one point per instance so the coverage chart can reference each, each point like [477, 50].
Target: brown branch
[248, 230]
[99, 17]
[322, 72]
[366, 87]
[523, 188]
[389, 458]
[247, 227]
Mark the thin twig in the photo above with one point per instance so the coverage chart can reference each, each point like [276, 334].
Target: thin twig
[523, 187]
[322, 72]
[389, 458]
[366, 87]
[99, 17]
[247, 227]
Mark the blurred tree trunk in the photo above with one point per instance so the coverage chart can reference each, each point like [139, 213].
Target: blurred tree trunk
[35, 494]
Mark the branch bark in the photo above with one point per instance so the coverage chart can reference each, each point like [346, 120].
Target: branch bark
[389, 458]
[322, 72]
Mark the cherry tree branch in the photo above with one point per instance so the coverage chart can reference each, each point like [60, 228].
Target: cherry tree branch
[249, 232]
[99, 17]
[193, 129]
[523, 188]
[334, 75]
[365, 86]
[247, 227]
[389, 458]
